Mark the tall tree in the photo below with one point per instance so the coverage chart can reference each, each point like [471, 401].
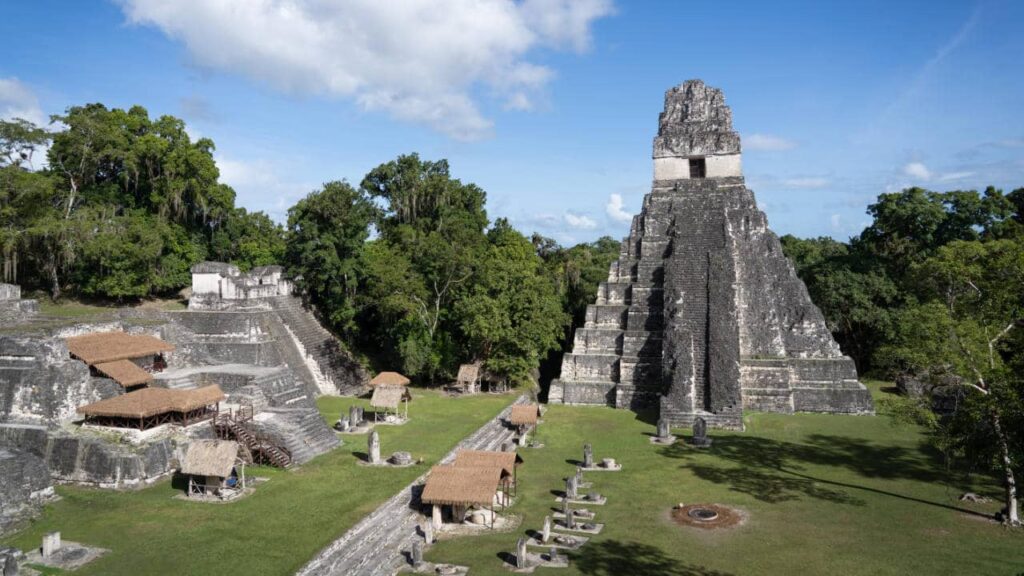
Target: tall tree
[511, 315]
[980, 286]
[326, 233]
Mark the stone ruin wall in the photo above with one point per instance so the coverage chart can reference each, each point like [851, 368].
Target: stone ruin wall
[14, 309]
[25, 487]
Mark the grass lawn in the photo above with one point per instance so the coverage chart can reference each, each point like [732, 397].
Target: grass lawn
[273, 531]
[824, 494]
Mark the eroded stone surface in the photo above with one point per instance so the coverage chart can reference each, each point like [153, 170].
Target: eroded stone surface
[702, 314]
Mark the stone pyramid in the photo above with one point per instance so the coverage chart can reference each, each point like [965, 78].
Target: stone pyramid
[703, 315]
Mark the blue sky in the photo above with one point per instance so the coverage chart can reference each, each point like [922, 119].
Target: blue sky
[550, 105]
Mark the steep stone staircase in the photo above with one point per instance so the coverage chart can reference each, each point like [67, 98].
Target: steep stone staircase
[227, 426]
[616, 356]
[323, 358]
[300, 431]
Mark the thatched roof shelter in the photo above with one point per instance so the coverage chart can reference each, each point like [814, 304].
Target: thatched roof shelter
[389, 379]
[101, 347]
[461, 486]
[389, 396]
[210, 458]
[505, 461]
[469, 376]
[524, 414]
[153, 401]
[125, 372]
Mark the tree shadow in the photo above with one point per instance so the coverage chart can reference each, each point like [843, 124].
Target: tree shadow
[776, 471]
[614, 558]
[770, 487]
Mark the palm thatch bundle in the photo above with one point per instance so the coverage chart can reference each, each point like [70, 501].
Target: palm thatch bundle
[152, 401]
[461, 486]
[210, 458]
[99, 347]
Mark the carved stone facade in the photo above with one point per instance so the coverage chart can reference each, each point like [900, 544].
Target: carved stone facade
[703, 314]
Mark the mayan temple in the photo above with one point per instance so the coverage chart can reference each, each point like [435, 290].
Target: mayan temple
[702, 314]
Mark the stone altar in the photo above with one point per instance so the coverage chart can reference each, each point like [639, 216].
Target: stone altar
[703, 315]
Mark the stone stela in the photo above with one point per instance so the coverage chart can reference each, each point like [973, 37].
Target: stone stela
[374, 447]
[684, 321]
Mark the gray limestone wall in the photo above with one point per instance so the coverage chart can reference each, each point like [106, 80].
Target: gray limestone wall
[39, 382]
[24, 487]
[93, 461]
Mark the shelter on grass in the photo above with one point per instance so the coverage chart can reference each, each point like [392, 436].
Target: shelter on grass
[389, 379]
[213, 468]
[128, 359]
[389, 398]
[452, 490]
[468, 379]
[524, 416]
[507, 462]
[149, 407]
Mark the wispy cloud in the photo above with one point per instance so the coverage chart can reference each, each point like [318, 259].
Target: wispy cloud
[260, 185]
[17, 100]
[580, 221]
[806, 183]
[917, 170]
[419, 60]
[767, 142]
[615, 210]
[921, 173]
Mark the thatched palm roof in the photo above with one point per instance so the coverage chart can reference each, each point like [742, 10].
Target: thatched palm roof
[389, 396]
[101, 347]
[389, 379]
[505, 461]
[468, 373]
[524, 414]
[210, 458]
[125, 372]
[461, 485]
[152, 401]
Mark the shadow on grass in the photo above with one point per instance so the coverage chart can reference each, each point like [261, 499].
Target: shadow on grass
[614, 558]
[775, 471]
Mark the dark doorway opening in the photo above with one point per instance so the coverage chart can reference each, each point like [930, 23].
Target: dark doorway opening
[698, 168]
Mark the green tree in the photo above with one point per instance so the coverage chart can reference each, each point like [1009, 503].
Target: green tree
[976, 333]
[248, 239]
[326, 234]
[437, 224]
[511, 315]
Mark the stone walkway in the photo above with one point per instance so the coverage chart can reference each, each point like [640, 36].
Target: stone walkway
[376, 546]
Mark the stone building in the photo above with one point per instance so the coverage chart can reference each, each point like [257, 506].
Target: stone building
[220, 286]
[702, 314]
[13, 308]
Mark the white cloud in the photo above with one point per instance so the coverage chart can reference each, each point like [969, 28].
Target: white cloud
[19, 101]
[579, 221]
[955, 176]
[767, 142]
[917, 170]
[418, 60]
[260, 187]
[809, 183]
[615, 211]
[836, 221]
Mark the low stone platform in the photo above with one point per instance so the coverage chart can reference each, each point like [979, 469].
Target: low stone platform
[562, 541]
[581, 527]
[438, 569]
[70, 556]
[599, 502]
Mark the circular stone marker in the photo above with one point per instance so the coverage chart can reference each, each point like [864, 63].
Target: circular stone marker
[702, 514]
[707, 516]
